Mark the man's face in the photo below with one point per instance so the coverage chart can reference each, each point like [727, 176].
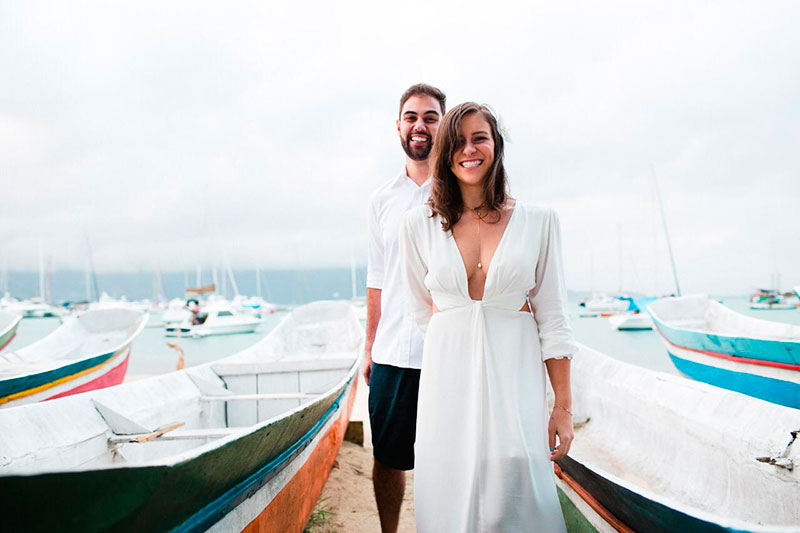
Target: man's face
[417, 126]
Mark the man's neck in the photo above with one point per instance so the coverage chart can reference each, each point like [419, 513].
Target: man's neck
[418, 171]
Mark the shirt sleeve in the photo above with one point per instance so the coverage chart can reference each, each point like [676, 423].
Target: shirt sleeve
[375, 264]
[549, 296]
[414, 268]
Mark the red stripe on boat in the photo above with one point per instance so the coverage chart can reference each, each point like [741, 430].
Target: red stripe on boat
[109, 379]
[735, 358]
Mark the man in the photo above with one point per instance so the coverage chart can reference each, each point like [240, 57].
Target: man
[394, 342]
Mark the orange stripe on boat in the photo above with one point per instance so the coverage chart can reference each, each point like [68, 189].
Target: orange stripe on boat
[59, 381]
[291, 508]
[598, 507]
[735, 358]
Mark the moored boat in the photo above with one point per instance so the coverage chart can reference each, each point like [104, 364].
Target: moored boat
[709, 342]
[8, 327]
[603, 305]
[216, 319]
[243, 443]
[765, 299]
[88, 351]
[656, 452]
[631, 321]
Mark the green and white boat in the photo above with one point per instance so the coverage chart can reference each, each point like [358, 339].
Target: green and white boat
[243, 443]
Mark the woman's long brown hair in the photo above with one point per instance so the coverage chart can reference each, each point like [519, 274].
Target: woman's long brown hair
[446, 200]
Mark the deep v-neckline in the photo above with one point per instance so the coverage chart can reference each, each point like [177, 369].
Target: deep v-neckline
[491, 260]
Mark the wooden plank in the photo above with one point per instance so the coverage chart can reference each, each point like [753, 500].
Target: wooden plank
[147, 437]
[186, 434]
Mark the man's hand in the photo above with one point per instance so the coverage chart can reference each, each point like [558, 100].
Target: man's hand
[367, 366]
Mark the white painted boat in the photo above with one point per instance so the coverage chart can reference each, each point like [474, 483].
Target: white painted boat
[107, 301]
[216, 319]
[631, 321]
[8, 327]
[656, 452]
[603, 305]
[243, 443]
[33, 308]
[90, 350]
[712, 343]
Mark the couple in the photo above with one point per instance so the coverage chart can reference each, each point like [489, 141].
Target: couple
[455, 260]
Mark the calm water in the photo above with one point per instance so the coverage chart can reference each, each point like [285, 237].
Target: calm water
[151, 355]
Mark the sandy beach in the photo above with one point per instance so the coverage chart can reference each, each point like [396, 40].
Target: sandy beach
[348, 494]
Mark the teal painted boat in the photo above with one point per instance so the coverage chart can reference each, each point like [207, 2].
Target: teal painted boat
[243, 443]
[657, 452]
[711, 343]
[8, 327]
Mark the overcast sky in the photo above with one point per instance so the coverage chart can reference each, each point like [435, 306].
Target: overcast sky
[177, 133]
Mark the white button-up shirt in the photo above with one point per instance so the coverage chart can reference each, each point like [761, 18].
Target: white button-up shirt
[398, 341]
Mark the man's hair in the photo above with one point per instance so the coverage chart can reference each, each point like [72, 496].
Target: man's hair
[423, 88]
[446, 200]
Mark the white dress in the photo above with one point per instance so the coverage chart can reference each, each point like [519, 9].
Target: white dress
[482, 458]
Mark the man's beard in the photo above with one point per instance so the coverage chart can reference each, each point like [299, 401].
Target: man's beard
[416, 154]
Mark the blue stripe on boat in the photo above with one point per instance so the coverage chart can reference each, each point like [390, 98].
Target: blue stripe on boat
[22, 383]
[769, 389]
[766, 350]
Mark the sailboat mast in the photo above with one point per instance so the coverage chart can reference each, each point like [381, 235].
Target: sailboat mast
[41, 273]
[666, 230]
[258, 282]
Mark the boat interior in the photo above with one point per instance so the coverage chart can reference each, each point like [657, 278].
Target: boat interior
[726, 454]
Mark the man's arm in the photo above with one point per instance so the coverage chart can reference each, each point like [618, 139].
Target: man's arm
[373, 317]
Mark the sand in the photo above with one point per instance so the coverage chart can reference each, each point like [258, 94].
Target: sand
[348, 494]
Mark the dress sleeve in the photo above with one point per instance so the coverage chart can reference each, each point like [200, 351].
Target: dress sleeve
[549, 296]
[374, 249]
[414, 267]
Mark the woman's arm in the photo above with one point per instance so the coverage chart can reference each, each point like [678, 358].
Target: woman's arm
[560, 422]
[549, 303]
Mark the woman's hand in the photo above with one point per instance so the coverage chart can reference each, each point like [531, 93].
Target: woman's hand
[560, 424]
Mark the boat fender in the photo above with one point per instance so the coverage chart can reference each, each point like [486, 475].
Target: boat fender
[782, 460]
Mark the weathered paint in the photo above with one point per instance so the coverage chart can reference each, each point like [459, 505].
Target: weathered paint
[302, 492]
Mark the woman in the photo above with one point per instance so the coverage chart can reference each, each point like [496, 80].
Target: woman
[471, 259]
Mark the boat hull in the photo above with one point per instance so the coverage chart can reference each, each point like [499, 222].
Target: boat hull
[201, 331]
[209, 484]
[770, 383]
[764, 368]
[94, 373]
[626, 509]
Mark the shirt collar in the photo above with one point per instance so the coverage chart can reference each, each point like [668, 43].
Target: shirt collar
[403, 179]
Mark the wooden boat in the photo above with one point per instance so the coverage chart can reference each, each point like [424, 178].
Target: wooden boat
[656, 452]
[709, 342]
[8, 327]
[88, 351]
[243, 443]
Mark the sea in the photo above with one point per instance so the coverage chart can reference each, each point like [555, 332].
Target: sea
[150, 354]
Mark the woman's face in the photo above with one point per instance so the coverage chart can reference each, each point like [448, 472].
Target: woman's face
[474, 153]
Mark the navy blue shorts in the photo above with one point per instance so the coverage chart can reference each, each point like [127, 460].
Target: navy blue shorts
[393, 395]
